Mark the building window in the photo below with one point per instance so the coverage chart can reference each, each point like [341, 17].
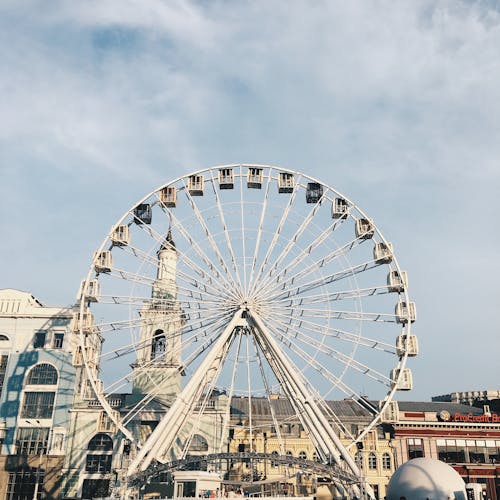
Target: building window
[39, 339]
[106, 423]
[95, 488]
[158, 345]
[451, 450]
[42, 374]
[3, 368]
[21, 485]
[493, 451]
[372, 461]
[38, 405]
[477, 452]
[101, 442]
[58, 341]
[386, 461]
[274, 463]
[32, 440]
[198, 443]
[98, 464]
[358, 458]
[415, 448]
[302, 455]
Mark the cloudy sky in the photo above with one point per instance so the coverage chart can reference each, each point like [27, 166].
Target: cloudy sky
[395, 104]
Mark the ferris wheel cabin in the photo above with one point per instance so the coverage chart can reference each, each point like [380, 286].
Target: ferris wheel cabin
[121, 236]
[406, 312]
[407, 344]
[397, 282]
[142, 213]
[382, 253]
[285, 182]
[364, 229]
[103, 262]
[196, 185]
[168, 197]
[314, 192]
[340, 208]
[226, 178]
[92, 291]
[255, 177]
[403, 379]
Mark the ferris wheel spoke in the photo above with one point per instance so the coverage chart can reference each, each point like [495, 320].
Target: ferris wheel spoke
[218, 282]
[316, 365]
[314, 266]
[342, 358]
[203, 322]
[124, 350]
[217, 285]
[326, 280]
[158, 302]
[210, 239]
[216, 274]
[195, 282]
[201, 286]
[292, 242]
[260, 228]
[118, 326]
[140, 254]
[131, 277]
[243, 237]
[347, 315]
[229, 245]
[275, 239]
[326, 298]
[327, 331]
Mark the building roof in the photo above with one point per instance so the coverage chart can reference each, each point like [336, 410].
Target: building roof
[434, 406]
[282, 408]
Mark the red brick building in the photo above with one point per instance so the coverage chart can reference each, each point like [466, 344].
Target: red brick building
[466, 437]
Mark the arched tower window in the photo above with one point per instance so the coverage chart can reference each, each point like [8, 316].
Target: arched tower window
[158, 345]
[99, 463]
[101, 442]
[42, 374]
[198, 443]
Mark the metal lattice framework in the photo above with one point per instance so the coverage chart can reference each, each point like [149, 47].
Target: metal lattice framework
[332, 471]
[246, 281]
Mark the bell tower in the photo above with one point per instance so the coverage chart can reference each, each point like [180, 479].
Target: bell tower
[158, 367]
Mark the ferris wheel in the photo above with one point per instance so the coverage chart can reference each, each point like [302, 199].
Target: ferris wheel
[252, 283]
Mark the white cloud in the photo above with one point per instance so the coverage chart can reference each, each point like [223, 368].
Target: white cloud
[395, 103]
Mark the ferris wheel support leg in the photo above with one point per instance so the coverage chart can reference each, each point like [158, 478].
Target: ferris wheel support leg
[314, 419]
[166, 432]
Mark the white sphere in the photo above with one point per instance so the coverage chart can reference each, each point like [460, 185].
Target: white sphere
[426, 479]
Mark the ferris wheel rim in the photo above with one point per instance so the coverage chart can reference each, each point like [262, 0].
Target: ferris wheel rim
[92, 378]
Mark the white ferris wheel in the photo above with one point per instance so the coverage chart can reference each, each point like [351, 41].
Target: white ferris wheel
[252, 282]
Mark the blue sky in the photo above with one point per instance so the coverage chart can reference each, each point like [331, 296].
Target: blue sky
[395, 104]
